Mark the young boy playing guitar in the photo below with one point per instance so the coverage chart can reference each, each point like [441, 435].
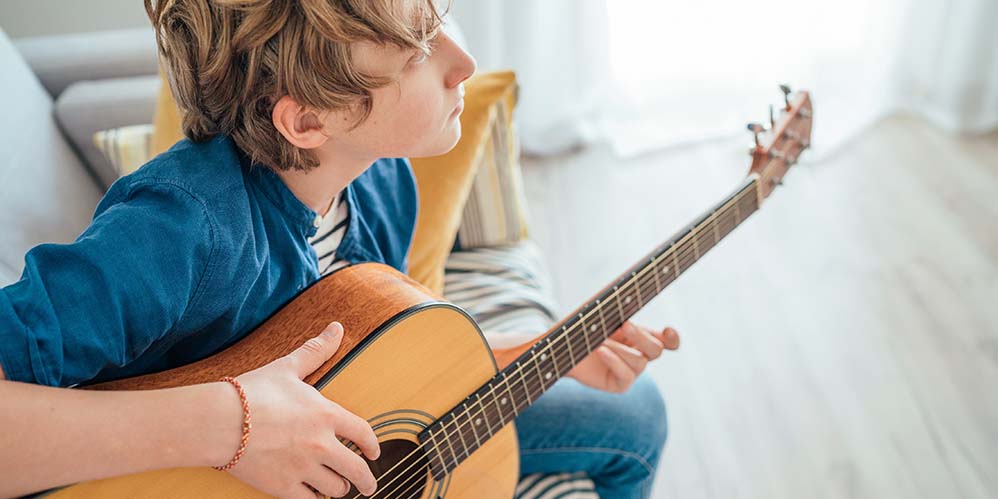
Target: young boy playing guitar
[290, 109]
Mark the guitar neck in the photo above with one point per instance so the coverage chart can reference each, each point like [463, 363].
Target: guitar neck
[466, 427]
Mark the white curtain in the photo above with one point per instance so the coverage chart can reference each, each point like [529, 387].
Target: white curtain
[648, 74]
[560, 51]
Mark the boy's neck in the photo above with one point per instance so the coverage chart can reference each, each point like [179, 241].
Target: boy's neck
[318, 187]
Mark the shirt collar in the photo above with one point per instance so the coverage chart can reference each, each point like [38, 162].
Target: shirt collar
[272, 186]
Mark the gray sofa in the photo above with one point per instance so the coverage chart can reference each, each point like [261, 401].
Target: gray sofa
[60, 90]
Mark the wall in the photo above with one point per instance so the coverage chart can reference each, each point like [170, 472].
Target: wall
[21, 18]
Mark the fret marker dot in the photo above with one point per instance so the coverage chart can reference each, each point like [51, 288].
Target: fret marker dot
[665, 270]
[544, 356]
[633, 274]
[547, 376]
[627, 299]
[503, 401]
[478, 421]
[592, 328]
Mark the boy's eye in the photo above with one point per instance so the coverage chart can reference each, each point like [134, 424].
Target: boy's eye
[418, 58]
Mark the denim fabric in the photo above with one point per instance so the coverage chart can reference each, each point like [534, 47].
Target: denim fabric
[617, 439]
[183, 258]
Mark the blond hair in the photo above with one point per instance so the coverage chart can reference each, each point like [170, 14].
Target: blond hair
[229, 61]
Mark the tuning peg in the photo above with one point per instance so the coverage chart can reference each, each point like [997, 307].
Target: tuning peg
[786, 95]
[772, 121]
[756, 129]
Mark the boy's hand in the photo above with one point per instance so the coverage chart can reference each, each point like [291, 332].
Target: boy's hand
[614, 365]
[293, 445]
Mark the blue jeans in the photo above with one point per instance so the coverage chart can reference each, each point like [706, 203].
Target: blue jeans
[616, 439]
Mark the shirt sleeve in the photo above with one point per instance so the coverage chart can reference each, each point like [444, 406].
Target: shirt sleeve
[106, 297]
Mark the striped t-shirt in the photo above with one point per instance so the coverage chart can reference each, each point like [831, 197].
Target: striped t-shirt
[329, 234]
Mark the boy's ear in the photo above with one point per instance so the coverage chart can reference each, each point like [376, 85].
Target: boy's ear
[301, 126]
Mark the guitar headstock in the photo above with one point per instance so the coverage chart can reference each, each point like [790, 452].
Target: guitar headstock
[778, 147]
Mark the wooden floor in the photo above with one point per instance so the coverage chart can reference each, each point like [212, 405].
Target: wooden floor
[841, 343]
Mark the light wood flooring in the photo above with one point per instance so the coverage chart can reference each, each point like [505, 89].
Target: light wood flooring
[841, 343]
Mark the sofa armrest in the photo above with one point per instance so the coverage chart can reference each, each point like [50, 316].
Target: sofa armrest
[60, 60]
[88, 107]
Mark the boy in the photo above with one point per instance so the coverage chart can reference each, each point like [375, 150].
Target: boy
[290, 108]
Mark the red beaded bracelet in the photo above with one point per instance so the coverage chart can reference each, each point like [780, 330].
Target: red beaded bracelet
[246, 425]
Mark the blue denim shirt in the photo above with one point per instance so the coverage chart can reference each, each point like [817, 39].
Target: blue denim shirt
[183, 258]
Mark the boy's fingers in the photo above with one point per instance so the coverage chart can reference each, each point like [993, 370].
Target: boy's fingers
[643, 339]
[359, 431]
[314, 352]
[670, 338]
[618, 368]
[633, 358]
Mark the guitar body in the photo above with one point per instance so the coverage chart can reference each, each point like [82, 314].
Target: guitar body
[405, 359]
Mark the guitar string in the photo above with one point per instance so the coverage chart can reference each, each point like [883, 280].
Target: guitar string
[696, 235]
[717, 222]
[645, 284]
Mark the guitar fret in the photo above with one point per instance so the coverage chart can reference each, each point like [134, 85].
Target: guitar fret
[571, 355]
[467, 418]
[523, 381]
[554, 362]
[540, 376]
[482, 417]
[509, 393]
[638, 289]
[655, 271]
[585, 334]
[620, 310]
[602, 319]
[439, 451]
[443, 427]
[495, 402]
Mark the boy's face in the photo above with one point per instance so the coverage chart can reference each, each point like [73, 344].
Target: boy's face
[419, 116]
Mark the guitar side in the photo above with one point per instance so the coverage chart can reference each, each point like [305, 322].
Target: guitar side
[405, 359]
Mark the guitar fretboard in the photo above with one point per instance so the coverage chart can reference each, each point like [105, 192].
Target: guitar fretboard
[457, 434]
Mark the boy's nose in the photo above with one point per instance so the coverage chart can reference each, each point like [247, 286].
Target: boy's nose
[463, 65]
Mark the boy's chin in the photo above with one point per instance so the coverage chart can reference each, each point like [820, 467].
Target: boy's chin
[445, 143]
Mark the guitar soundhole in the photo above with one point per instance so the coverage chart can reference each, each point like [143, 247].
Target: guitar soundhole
[401, 471]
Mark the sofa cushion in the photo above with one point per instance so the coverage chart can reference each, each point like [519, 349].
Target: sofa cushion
[126, 148]
[504, 288]
[87, 107]
[59, 60]
[46, 193]
[556, 486]
[495, 213]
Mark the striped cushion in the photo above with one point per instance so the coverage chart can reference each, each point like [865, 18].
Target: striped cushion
[127, 147]
[507, 289]
[556, 486]
[495, 212]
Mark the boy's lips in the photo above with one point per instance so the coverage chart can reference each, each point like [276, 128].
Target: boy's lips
[460, 104]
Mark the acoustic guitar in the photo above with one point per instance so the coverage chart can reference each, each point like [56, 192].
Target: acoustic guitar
[419, 369]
